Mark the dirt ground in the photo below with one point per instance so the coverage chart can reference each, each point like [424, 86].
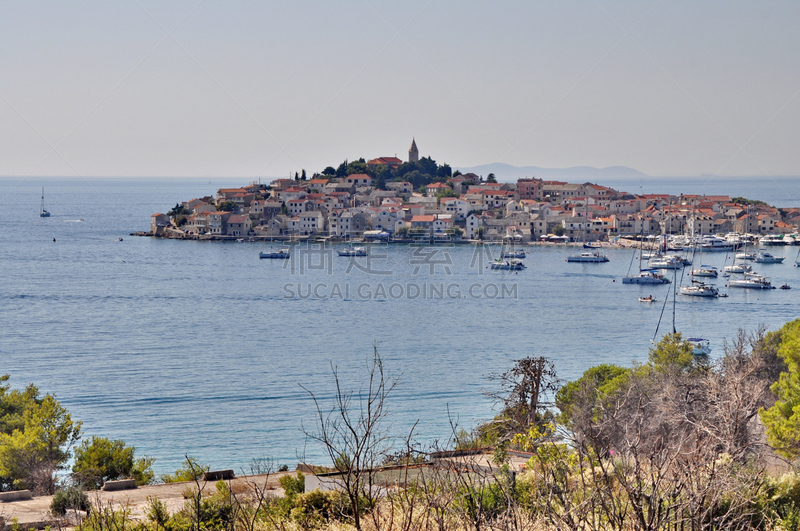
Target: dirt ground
[36, 512]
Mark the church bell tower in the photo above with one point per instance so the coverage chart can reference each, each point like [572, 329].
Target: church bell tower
[413, 152]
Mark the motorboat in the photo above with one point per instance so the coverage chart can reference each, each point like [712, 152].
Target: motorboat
[277, 255]
[786, 286]
[698, 289]
[353, 251]
[700, 346]
[589, 245]
[513, 253]
[738, 268]
[764, 257]
[705, 271]
[649, 298]
[513, 264]
[646, 276]
[746, 256]
[588, 257]
[714, 243]
[751, 281]
[772, 239]
[665, 262]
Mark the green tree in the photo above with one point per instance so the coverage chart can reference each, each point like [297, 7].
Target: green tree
[672, 352]
[329, 170]
[303, 175]
[590, 390]
[226, 206]
[358, 166]
[559, 230]
[491, 178]
[98, 460]
[36, 437]
[341, 171]
[782, 420]
[445, 193]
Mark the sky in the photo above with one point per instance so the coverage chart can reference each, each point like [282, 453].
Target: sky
[262, 89]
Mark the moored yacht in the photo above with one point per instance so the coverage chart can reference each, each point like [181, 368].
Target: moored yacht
[646, 276]
[353, 251]
[705, 271]
[698, 289]
[751, 281]
[277, 255]
[764, 257]
[700, 346]
[508, 265]
[588, 257]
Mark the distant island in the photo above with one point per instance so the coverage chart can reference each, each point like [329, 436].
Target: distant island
[389, 199]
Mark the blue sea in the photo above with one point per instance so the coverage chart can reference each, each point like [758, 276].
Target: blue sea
[201, 349]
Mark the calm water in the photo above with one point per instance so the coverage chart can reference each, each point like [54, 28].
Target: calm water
[201, 348]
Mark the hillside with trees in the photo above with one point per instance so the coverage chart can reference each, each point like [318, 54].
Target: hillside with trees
[681, 442]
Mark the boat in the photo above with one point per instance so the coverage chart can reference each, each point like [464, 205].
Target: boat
[700, 290]
[751, 281]
[746, 256]
[646, 276]
[590, 245]
[665, 262]
[42, 212]
[772, 239]
[588, 257]
[764, 257]
[705, 271]
[276, 255]
[715, 243]
[513, 253]
[353, 251]
[786, 286]
[738, 268]
[700, 346]
[508, 265]
[649, 298]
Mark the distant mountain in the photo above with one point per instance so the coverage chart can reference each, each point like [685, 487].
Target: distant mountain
[508, 173]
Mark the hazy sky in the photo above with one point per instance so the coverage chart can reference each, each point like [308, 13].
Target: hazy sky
[261, 89]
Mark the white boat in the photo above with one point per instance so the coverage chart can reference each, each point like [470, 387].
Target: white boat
[665, 262]
[700, 346]
[699, 289]
[738, 268]
[745, 256]
[649, 298]
[42, 212]
[588, 257]
[353, 251]
[518, 253]
[772, 239]
[715, 243]
[705, 271]
[508, 265]
[646, 276]
[764, 257]
[751, 281]
[278, 255]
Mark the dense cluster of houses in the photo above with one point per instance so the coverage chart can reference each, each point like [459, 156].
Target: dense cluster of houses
[465, 206]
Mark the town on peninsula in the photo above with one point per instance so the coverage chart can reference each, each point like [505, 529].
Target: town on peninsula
[388, 199]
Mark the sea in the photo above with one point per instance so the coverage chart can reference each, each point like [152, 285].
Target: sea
[197, 348]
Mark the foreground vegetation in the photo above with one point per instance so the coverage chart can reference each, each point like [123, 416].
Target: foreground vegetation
[678, 443]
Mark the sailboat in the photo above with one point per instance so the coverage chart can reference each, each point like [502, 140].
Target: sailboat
[698, 288]
[645, 276]
[42, 212]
